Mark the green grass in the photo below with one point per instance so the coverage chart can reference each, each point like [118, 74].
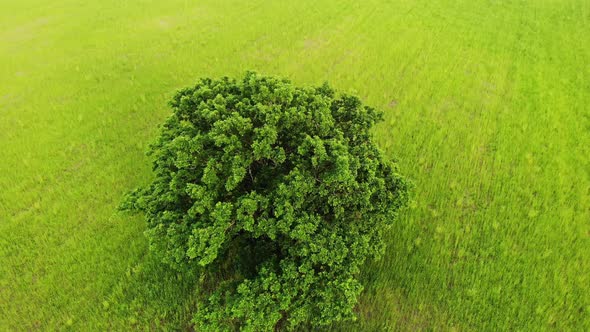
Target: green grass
[487, 110]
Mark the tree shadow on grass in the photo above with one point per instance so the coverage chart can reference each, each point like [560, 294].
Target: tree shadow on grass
[152, 296]
[395, 296]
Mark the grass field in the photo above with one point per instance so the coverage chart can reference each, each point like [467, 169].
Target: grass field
[487, 111]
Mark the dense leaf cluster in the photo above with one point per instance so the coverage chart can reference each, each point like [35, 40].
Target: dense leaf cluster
[279, 182]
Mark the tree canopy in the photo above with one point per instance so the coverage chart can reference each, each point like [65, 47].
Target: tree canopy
[278, 184]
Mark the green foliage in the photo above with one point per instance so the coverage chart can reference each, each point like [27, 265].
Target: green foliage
[289, 178]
